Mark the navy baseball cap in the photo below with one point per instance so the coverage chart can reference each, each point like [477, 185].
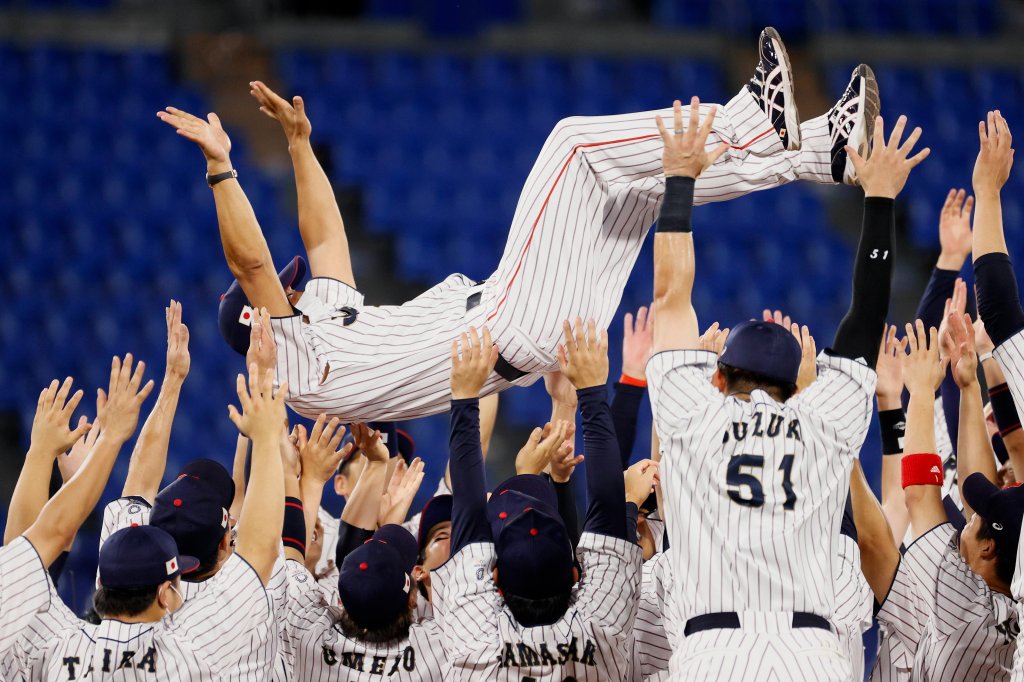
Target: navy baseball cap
[1002, 508]
[376, 577]
[406, 445]
[535, 556]
[141, 556]
[213, 473]
[763, 348]
[518, 494]
[438, 509]
[192, 512]
[235, 315]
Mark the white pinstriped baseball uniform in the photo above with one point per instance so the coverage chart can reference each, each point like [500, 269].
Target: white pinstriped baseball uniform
[24, 591]
[1017, 591]
[651, 647]
[125, 512]
[581, 220]
[854, 603]
[321, 652]
[589, 643]
[231, 636]
[948, 619]
[753, 494]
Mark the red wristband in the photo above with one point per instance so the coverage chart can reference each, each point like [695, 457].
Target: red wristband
[922, 469]
[632, 381]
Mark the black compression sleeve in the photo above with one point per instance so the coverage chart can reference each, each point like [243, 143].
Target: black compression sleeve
[606, 490]
[349, 538]
[677, 205]
[998, 298]
[860, 332]
[466, 468]
[626, 402]
[567, 510]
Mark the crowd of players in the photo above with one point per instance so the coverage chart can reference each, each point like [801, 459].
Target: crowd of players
[747, 546]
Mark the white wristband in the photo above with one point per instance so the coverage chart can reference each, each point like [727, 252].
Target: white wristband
[984, 356]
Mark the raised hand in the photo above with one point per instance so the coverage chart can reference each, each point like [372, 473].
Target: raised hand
[889, 369]
[955, 230]
[262, 346]
[320, 454]
[291, 116]
[72, 461]
[637, 341]
[713, 339]
[208, 134]
[124, 398]
[685, 152]
[473, 359]
[290, 444]
[560, 390]
[51, 432]
[963, 355]
[369, 442]
[957, 305]
[995, 159]
[402, 489]
[565, 460]
[885, 172]
[541, 446]
[262, 412]
[808, 356]
[583, 358]
[178, 359]
[982, 343]
[777, 317]
[640, 481]
[922, 369]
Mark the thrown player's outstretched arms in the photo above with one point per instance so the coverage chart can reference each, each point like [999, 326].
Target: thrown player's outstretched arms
[51, 438]
[922, 466]
[974, 449]
[320, 223]
[473, 358]
[892, 422]
[149, 459]
[684, 159]
[998, 299]
[879, 552]
[583, 360]
[64, 513]
[245, 248]
[882, 176]
[1004, 410]
[261, 419]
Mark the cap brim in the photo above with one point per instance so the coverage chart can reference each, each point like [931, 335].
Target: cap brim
[293, 274]
[979, 493]
[187, 564]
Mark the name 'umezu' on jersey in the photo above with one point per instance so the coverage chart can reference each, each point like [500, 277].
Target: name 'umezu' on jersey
[754, 489]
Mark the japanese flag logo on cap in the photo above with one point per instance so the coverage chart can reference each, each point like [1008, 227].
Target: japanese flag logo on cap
[224, 519]
[171, 565]
[246, 316]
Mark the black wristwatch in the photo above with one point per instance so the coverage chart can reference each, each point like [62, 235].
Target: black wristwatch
[212, 180]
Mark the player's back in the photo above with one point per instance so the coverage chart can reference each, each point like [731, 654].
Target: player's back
[755, 489]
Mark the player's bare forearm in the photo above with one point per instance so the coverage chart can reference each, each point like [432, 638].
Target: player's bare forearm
[363, 506]
[259, 527]
[311, 492]
[974, 449]
[879, 552]
[920, 423]
[149, 459]
[320, 222]
[924, 502]
[673, 289]
[488, 417]
[238, 474]
[30, 493]
[894, 503]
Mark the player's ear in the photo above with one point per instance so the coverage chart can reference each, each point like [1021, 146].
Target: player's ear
[494, 576]
[987, 549]
[341, 485]
[575, 574]
[718, 381]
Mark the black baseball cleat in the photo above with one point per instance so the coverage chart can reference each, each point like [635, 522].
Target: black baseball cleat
[772, 87]
[852, 122]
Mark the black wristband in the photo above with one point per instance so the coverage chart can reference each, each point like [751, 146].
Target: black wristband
[1003, 409]
[677, 205]
[212, 180]
[893, 425]
[293, 531]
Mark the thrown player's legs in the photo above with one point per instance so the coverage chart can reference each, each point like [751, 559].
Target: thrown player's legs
[595, 189]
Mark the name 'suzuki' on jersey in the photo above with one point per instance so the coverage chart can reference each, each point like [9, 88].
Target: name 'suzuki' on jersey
[763, 426]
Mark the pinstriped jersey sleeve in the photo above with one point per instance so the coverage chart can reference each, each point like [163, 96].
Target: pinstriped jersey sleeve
[609, 587]
[466, 600]
[841, 398]
[124, 512]
[24, 590]
[652, 649]
[680, 386]
[1010, 356]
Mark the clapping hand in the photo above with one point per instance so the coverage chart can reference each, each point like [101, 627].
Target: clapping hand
[208, 134]
[291, 116]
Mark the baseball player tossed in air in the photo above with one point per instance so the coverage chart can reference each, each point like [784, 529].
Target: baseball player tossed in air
[589, 200]
[754, 478]
[148, 631]
[516, 601]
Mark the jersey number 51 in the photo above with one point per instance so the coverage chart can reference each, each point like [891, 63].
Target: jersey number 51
[743, 478]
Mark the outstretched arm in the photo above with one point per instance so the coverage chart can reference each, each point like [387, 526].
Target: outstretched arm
[245, 249]
[146, 467]
[922, 467]
[684, 159]
[320, 223]
[882, 177]
[879, 554]
[892, 423]
[1004, 410]
[63, 515]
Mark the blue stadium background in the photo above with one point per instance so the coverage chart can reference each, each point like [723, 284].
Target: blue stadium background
[106, 216]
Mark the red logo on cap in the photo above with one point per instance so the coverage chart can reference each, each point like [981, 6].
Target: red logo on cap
[533, 532]
[363, 566]
[503, 515]
[177, 503]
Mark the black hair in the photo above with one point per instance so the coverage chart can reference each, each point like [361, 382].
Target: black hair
[1005, 560]
[535, 612]
[744, 381]
[206, 566]
[123, 601]
[395, 631]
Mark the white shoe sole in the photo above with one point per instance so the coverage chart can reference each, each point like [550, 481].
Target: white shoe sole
[864, 127]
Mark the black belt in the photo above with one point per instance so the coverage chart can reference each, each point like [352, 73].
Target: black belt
[502, 367]
[730, 620]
